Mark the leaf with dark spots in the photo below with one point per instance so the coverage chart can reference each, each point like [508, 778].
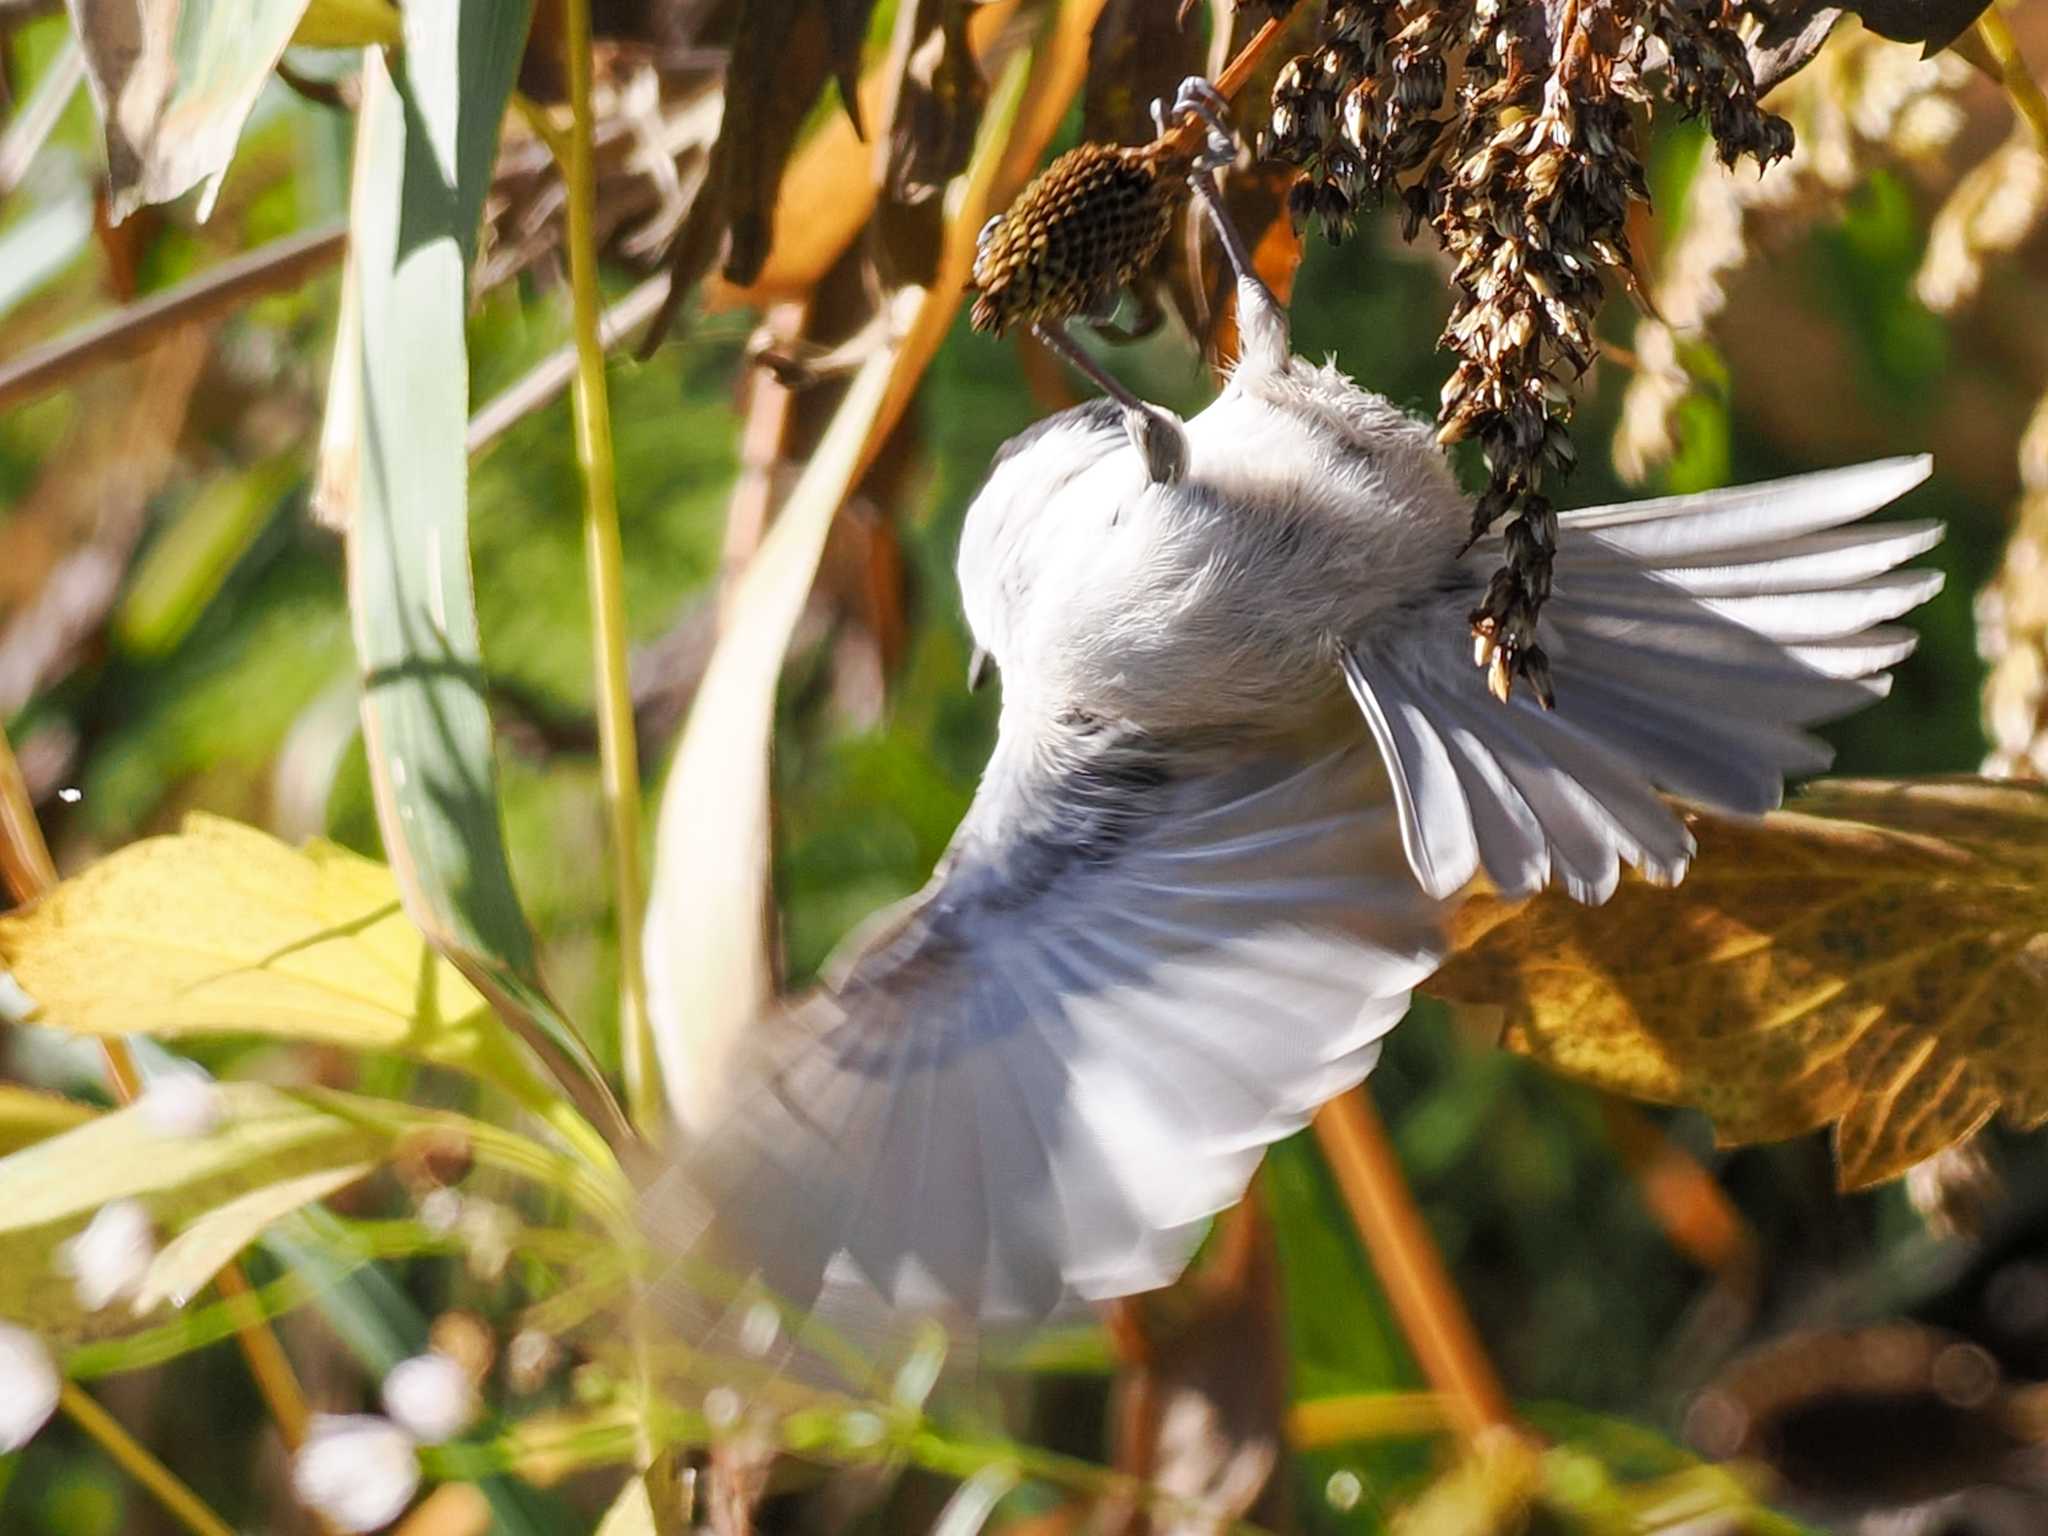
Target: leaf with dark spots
[1875, 961]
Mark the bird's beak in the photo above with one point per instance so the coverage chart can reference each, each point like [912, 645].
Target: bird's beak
[977, 669]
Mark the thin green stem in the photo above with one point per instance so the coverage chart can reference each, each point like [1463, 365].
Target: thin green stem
[604, 566]
[130, 1455]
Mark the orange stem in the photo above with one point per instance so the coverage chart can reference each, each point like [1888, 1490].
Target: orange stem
[1432, 1315]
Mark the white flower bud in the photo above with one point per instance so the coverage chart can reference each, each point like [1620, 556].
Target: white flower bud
[182, 1103]
[108, 1261]
[356, 1471]
[431, 1397]
[28, 1387]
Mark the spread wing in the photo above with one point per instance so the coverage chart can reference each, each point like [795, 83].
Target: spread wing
[1695, 639]
[1032, 1082]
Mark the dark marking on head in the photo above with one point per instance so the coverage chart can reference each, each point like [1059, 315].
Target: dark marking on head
[1100, 414]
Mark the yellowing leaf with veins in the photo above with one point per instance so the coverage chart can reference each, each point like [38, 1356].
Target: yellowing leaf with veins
[1875, 960]
[224, 929]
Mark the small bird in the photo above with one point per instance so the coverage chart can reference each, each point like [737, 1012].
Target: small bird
[1244, 769]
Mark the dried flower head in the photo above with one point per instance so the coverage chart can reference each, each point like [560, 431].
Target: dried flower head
[1088, 225]
[182, 1102]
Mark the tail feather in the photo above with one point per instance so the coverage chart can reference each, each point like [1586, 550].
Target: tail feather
[1693, 639]
[1669, 530]
[1800, 564]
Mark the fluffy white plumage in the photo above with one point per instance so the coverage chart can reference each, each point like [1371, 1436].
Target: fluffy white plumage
[1244, 760]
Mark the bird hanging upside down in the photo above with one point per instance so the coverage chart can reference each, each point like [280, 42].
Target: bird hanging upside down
[1243, 769]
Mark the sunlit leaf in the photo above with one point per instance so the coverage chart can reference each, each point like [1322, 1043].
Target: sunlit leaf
[265, 1139]
[1876, 960]
[425, 144]
[223, 929]
[174, 81]
[707, 962]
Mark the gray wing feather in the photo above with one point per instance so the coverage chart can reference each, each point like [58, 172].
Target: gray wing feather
[1693, 639]
[1032, 1085]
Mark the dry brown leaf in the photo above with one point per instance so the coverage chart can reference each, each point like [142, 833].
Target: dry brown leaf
[1139, 52]
[782, 55]
[174, 83]
[937, 96]
[1876, 960]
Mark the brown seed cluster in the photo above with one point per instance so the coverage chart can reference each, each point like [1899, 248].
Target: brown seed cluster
[1089, 224]
[1509, 127]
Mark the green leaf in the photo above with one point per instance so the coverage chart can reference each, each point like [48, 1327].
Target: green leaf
[185, 567]
[48, 1192]
[174, 81]
[395, 464]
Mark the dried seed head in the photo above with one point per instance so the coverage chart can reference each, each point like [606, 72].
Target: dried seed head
[1090, 222]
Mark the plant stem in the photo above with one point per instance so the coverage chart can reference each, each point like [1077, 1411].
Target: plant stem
[130, 1455]
[1427, 1303]
[1319, 1422]
[2020, 84]
[604, 562]
[271, 268]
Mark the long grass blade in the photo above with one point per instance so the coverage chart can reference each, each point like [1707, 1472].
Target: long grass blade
[426, 139]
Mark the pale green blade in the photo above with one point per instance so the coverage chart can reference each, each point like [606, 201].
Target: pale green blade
[425, 142]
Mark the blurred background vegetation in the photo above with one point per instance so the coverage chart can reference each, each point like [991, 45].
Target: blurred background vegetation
[174, 636]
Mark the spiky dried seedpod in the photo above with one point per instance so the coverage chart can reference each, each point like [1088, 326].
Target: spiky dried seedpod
[1509, 129]
[1087, 226]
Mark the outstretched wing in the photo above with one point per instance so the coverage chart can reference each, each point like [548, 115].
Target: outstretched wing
[1694, 639]
[1032, 1082]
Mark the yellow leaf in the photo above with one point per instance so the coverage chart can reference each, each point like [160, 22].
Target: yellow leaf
[1876, 960]
[222, 929]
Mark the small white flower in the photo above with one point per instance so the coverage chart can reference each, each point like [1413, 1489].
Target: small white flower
[440, 1211]
[28, 1387]
[108, 1261]
[182, 1102]
[431, 1397]
[356, 1470]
